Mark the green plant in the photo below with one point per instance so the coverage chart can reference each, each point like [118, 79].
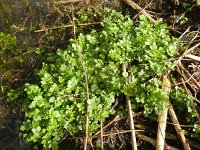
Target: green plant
[7, 43]
[186, 103]
[58, 103]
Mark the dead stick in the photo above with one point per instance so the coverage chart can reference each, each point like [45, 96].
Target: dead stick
[162, 117]
[187, 51]
[189, 75]
[153, 141]
[67, 26]
[102, 135]
[66, 2]
[177, 126]
[130, 114]
[117, 118]
[135, 6]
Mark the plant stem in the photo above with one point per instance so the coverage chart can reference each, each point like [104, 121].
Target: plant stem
[130, 114]
[79, 51]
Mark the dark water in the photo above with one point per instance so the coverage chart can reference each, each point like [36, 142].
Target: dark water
[23, 18]
[19, 18]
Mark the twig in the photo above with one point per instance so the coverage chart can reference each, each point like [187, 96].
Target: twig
[130, 114]
[189, 75]
[153, 141]
[193, 57]
[184, 85]
[67, 26]
[184, 77]
[102, 135]
[182, 35]
[66, 2]
[135, 6]
[111, 122]
[162, 118]
[177, 126]
[168, 135]
[187, 51]
[79, 51]
[121, 132]
[143, 9]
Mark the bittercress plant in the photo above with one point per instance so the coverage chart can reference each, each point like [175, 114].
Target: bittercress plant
[58, 103]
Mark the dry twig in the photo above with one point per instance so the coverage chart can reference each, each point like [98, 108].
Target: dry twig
[67, 26]
[130, 114]
[178, 127]
[79, 51]
[192, 57]
[120, 132]
[102, 135]
[187, 51]
[110, 123]
[192, 79]
[153, 141]
[66, 2]
[135, 6]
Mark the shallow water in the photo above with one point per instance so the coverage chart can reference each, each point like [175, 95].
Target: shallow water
[17, 17]
[12, 12]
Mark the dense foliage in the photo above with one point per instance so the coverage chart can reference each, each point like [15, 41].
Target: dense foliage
[58, 104]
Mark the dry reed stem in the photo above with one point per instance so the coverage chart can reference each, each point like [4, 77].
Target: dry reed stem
[162, 117]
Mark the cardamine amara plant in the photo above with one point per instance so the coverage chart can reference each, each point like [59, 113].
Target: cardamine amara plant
[59, 103]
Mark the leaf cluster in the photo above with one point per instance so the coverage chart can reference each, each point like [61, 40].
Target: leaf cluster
[7, 43]
[186, 103]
